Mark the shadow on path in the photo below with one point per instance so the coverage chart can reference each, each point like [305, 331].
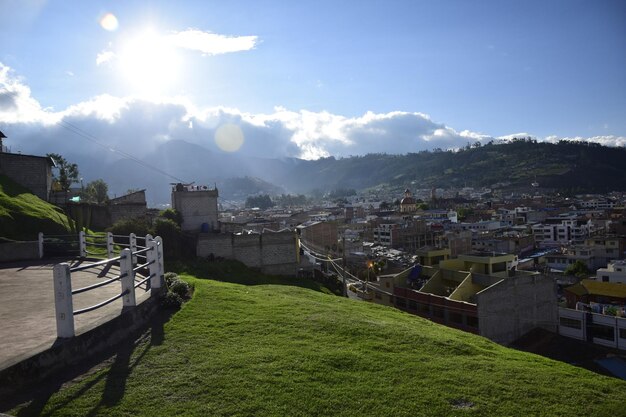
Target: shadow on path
[120, 361]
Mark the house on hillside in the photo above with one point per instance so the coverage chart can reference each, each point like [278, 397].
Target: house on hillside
[30, 171]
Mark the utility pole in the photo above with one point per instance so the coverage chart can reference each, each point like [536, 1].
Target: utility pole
[343, 249]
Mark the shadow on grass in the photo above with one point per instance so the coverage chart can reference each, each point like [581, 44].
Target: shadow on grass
[122, 359]
[236, 272]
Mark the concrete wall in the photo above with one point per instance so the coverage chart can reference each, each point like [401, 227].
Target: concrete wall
[32, 172]
[18, 251]
[516, 305]
[272, 252]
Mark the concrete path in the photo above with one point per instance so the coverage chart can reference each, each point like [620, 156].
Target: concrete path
[27, 316]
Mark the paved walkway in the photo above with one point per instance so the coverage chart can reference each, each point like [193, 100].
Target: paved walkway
[27, 316]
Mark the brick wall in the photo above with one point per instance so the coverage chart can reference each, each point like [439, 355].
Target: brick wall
[272, 252]
[32, 172]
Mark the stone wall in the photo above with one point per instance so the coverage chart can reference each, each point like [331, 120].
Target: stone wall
[32, 172]
[272, 252]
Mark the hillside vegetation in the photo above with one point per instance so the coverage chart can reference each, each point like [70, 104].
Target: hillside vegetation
[567, 166]
[284, 350]
[23, 215]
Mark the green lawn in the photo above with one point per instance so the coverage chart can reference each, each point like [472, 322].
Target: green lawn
[283, 350]
[23, 215]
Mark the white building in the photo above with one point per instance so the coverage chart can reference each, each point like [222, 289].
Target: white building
[567, 230]
[615, 272]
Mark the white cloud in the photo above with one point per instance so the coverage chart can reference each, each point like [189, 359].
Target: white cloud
[137, 125]
[104, 57]
[211, 43]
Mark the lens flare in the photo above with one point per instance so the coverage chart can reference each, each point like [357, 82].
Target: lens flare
[229, 137]
[109, 22]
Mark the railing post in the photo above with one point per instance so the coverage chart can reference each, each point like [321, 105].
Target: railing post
[132, 240]
[40, 241]
[82, 244]
[109, 245]
[153, 256]
[128, 281]
[63, 305]
[160, 257]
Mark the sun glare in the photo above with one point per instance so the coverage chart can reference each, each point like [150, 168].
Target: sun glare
[149, 63]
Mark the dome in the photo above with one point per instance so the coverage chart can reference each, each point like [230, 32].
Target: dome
[407, 200]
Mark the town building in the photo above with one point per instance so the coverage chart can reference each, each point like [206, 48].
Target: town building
[480, 293]
[320, 236]
[198, 207]
[30, 171]
[615, 273]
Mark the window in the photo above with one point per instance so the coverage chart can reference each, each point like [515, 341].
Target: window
[603, 332]
[412, 305]
[423, 308]
[438, 312]
[472, 321]
[387, 284]
[456, 318]
[571, 323]
[622, 333]
[605, 278]
[400, 302]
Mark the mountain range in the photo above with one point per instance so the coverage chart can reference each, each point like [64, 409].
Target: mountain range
[566, 166]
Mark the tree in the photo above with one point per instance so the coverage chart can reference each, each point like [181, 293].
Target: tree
[262, 201]
[173, 215]
[578, 268]
[67, 172]
[97, 191]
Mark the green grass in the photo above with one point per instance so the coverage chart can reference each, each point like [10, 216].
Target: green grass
[23, 215]
[284, 350]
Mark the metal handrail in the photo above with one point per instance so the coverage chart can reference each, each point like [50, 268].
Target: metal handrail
[139, 252]
[106, 261]
[102, 304]
[138, 267]
[144, 280]
[95, 244]
[100, 284]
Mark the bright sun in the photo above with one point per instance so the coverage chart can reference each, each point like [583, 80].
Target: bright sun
[149, 63]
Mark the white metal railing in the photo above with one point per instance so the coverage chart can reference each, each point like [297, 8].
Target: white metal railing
[132, 275]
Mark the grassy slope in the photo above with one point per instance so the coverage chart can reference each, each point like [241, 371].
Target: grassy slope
[23, 215]
[283, 350]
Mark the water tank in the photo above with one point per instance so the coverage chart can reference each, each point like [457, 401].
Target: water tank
[204, 228]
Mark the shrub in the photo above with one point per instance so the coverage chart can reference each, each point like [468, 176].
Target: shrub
[179, 287]
[172, 237]
[125, 227]
[171, 300]
[170, 277]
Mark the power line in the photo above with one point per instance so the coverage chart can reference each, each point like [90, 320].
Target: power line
[86, 135]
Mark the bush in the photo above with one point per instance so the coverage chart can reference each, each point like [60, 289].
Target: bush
[170, 277]
[171, 300]
[172, 237]
[125, 227]
[180, 287]
[173, 215]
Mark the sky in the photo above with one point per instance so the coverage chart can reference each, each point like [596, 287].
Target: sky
[309, 79]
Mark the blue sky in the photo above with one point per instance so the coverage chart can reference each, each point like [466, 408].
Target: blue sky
[325, 77]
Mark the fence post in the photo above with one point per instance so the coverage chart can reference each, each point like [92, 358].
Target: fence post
[160, 257]
[82, 244]
[63, 305]
[128, 281]
[40, 241]
[109, 245]
[132, 240]
[153, 256]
